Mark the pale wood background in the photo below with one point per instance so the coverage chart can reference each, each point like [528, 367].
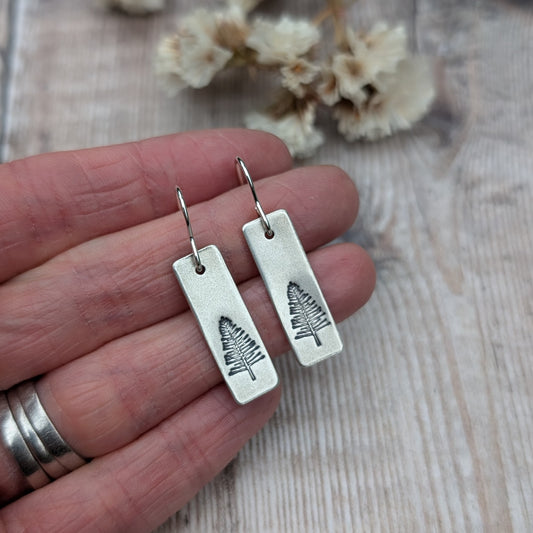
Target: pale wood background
[425, 423]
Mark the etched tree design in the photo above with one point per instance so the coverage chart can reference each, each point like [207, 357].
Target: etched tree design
[240, 351]
[308, 317]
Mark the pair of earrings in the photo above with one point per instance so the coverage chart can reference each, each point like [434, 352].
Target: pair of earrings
[223, 317]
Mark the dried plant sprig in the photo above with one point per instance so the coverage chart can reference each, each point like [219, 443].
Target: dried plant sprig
[370, 82]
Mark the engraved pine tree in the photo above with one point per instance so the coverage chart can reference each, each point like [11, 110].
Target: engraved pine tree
[240, 351]
[308, 317]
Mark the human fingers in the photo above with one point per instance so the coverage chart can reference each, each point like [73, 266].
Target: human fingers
[122, 282]
[52, 202]
[106, 399]
[137, 487]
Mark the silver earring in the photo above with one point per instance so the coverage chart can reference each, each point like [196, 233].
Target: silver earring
[290, 282]
[224, 319]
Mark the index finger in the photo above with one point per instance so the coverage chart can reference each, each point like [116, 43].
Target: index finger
[52, 202]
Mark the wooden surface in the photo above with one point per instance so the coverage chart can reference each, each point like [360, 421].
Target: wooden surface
[425, 423]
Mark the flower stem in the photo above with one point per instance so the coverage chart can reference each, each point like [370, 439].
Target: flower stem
[336, 10]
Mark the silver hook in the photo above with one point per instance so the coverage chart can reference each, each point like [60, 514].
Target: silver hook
[200, 269]
[244, 176]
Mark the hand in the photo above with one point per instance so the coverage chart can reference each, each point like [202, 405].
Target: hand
[88, 300]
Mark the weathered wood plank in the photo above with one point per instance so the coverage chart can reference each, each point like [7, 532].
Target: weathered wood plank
[7, 19]
[425, 423]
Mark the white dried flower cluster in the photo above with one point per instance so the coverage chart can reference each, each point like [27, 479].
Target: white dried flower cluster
[135, 7]
[202, 46]
[372, 85]
[403, 98]
[375, 88]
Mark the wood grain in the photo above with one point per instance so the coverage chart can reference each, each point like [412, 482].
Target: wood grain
[425, 423]
[7, 16]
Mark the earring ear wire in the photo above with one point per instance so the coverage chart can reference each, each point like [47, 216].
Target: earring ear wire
[244, 177]
[200, 269]
[224, 319]
[290, 282]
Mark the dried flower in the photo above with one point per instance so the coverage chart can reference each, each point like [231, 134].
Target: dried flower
[188, 61]
[168, 65]
[283, 41]
[293, 121]
[328, 88]
[204, 43]
[350, 77]
[379, 50]
[298, 75]
[406, 97]
[201, 60]
[135, 7]
[226, 28]
[367, 56]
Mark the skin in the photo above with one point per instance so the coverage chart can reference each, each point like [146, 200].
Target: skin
[88, 301]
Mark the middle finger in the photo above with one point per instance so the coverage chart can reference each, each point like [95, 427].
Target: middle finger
[119, 283]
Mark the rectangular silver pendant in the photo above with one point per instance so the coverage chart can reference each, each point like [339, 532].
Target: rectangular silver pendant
[293, 288]
[227, 325]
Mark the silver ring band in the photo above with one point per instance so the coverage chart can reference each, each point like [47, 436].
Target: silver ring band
[32, 440]
[46, 459]
[14, 441]
[44, 428]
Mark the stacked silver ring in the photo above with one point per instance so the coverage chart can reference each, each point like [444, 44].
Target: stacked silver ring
[27, 432]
